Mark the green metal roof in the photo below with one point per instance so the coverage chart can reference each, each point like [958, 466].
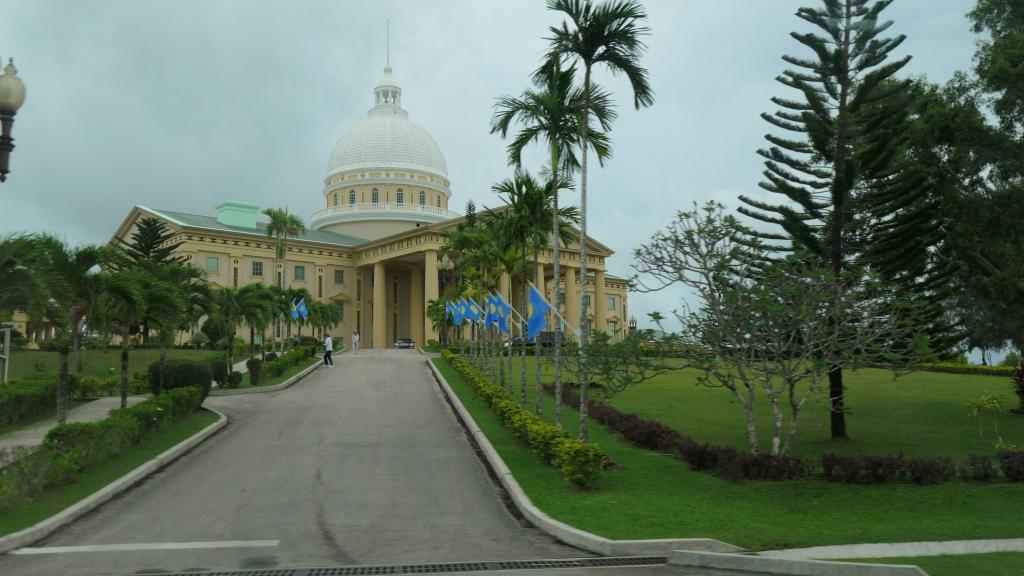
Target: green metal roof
[211, 223]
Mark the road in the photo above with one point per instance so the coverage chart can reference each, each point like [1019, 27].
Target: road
[360, 464]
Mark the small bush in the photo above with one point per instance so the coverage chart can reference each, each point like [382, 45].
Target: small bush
[977, 468]
[179, 373]
[27, 398]
[200, 339]
[219, 369]
[255, 368]
[862, 469]
[1012, 463]
[933, 470]
[270, 356]
[234, 379]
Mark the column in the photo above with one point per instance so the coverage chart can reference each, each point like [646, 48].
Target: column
[539, 282]
[380, 307]
[572, 298]
[417, 308]
[505, 286]
[430, 292]
[600, 303]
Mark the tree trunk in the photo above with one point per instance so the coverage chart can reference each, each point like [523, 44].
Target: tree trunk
[78, 346]
[538, 406]
[124, 366]
[523, 308]
[556, 254]
[584, 330]
[840, 192]
[252, 341]
[161, 385]
[777, 428]
[62, 385]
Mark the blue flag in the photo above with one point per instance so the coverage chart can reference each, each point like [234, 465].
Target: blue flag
[294, 310]
[459, 312]
[473, 310]
[492, 310]
[504, 309]
[449, 309]
[302, 310]
[539, 309]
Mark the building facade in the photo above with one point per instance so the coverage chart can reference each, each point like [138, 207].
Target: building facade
[373, 250]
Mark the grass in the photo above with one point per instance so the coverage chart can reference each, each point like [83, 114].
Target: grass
[656, 496]
[992, 564]
[96, 363]
[268, 380]
[19, 516]
[920, 414]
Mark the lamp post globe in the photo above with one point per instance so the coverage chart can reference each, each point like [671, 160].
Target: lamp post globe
[12, 96]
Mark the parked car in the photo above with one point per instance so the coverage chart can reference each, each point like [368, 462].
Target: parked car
[405, 343]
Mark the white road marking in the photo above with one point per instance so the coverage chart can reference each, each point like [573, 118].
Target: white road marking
[147, 546]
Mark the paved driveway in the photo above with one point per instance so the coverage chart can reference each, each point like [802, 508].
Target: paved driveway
[360, 464]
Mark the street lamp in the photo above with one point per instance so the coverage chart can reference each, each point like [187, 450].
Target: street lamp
[445, 265]
[632, 324]
[12, 95]
[5, 339]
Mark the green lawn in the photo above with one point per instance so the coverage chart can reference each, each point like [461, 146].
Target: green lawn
[99, 363]
[919, 414]
[20, 516]
[993, 564]
[268, 380]
[656, 496]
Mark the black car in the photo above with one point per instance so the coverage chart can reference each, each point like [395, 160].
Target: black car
[407, 343]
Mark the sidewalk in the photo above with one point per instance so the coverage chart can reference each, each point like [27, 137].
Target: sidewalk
[95, 410]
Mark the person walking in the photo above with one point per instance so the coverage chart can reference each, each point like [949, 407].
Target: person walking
[328, 349]
[355, 342]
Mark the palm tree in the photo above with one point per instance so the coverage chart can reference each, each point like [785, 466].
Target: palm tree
[551, 114]
[530, 206]
[608, 34]
[72, 278]
[233, 307]
[120, 303]
[23, 285]
[281, 226]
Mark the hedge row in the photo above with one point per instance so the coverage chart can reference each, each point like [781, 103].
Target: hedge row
[734, 464]
[277, 365]
[72, 448]
[974, 369]
[181, 373]
[581, 463]
[27, 398]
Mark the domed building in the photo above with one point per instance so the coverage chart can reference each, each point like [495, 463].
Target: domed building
[373, 250]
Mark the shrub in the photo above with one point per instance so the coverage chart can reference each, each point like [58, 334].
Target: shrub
[930, 470]
[580, 463]
[955, 368]
[1012, 463]
[219, 369]
[27, 398]
[270, 356]
[255, 367]
[200, 339]
[862, 469]
[234, 379]
[179, 373]
[977, 468]
[309, 341]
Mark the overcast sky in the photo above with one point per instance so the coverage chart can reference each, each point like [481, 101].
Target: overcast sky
[183, 104]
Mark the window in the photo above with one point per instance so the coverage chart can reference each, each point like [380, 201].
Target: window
[395, 285]
[438, 201]
[613, 328]
[359, 289]
[341, 311]
[320, 286]
[612, 303]
[586, 300]
[423, 198]
[234, 277]
[375, 196]
[351, 197]
[300, 272]
[339, 276]
[335, 198]
[257, 268]
[212, 264]
[400, 198]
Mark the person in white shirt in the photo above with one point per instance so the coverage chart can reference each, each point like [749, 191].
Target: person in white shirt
[355, 342]
[328, 349]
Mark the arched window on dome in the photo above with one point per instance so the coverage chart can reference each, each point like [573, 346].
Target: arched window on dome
[438, 201]
[351, 196]
[400, 196]
[423, 198]
[335, 198]
[375, 196]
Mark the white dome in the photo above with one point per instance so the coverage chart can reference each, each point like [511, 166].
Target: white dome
[387, 139]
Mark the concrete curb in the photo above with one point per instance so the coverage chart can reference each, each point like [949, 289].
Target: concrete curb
[115, 488]
[264, 389]
[896, 549]
[763, 565]
[560, 530]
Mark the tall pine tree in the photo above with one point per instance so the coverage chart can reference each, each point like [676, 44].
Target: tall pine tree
[850, 195]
